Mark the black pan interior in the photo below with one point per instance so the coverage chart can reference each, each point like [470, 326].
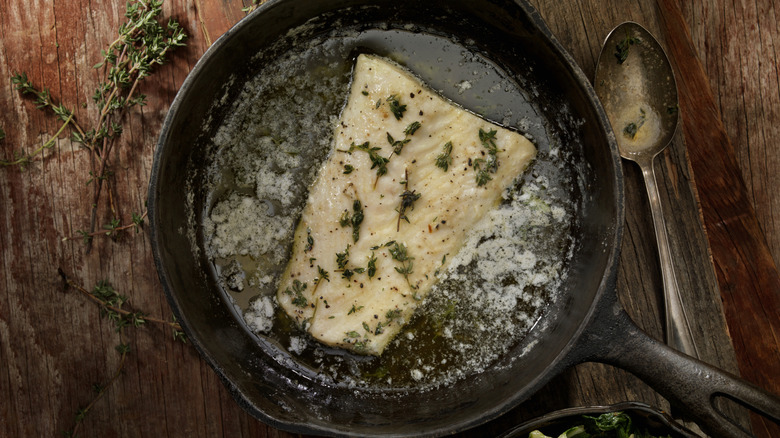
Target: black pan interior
[509, 34]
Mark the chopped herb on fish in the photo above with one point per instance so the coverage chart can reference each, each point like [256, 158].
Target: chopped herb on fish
[396, 107]
[444, 159]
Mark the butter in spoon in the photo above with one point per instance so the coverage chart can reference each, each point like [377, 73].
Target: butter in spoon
[636, 86]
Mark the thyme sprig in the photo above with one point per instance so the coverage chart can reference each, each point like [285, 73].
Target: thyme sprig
[396, 107]
[111, 307]
[296, 293]
[408, 198]
[377, 161]
[444, 159]
[485, 167]
[142, 43]
[342, 258]
[398, 145]
[111, 228]
[354, 220]
[111, 304]
[322, 274]
[371, 268]
[43, 101]
[400, 254]
[100, 390]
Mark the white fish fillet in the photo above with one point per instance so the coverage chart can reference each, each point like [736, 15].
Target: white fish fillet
[364, 312]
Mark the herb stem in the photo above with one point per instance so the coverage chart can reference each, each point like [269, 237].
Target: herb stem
[407, 201]
[124, 312]
[46, 145]
[134, 224]
[103, 389]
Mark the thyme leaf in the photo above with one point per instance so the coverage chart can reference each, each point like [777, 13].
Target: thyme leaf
[354, 220]
[345, 219]
[323, 274]
[377, 161]
[371, 265]
[412, 128]
[342, 258]
[397, 145]
[309, 241]
[357, 219]
[485, 167]
[408, 199]
[297, 293]
[394, 314]
[399, 253]
[621, 50]
[396, 107]
[483, 176]
[632, 128]
[444, 159]
[407, 202]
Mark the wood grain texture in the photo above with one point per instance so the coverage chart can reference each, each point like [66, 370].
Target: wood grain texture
[53, 344]
[744, 265]
[739, 46]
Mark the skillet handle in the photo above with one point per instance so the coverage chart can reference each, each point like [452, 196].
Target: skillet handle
[690, 384]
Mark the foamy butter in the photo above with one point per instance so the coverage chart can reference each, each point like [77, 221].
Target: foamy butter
[409, 175]
[637, 125]
[640, 127]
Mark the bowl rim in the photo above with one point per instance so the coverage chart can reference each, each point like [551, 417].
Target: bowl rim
[523, 429]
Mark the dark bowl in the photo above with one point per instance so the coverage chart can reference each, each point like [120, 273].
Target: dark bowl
[654, 421]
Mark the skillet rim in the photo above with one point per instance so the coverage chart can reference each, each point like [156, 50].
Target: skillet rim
[606, 284]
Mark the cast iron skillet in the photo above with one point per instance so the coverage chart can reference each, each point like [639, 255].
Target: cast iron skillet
[588, 325]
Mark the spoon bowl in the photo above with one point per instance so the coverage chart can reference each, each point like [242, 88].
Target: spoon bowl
[635, 83]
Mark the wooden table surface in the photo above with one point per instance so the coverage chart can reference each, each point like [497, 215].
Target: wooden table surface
[54, 346]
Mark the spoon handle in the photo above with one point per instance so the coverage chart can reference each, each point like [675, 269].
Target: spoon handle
[678, 329]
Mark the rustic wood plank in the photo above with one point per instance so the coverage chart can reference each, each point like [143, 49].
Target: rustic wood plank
[739, 47]
[54, 344]
[747, 273]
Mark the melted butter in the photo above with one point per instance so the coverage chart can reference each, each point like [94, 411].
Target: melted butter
[639, 127]
[266, 156]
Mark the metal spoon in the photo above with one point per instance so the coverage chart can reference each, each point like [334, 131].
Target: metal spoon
[636, 85]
